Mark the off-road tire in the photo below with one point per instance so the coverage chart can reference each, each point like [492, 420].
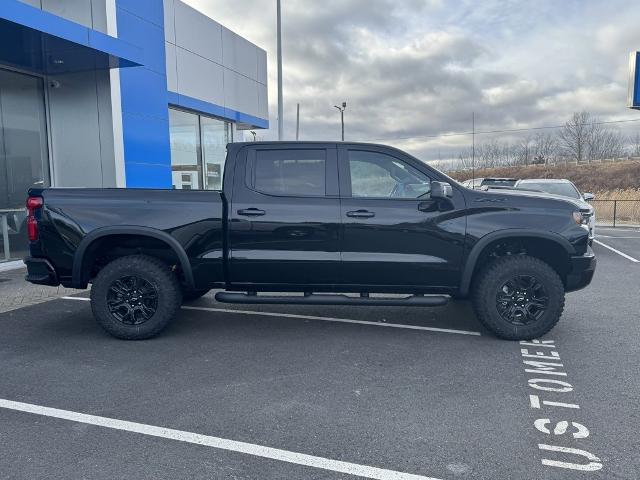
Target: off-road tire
[488, 283]
[189, 295]
[153, 271]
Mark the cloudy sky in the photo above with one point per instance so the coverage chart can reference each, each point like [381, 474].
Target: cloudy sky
[411, 69]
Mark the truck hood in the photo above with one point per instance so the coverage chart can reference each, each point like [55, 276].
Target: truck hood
[577, 203]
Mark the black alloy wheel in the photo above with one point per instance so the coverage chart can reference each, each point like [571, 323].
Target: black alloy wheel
[132, 300]
[518, 297]
[522, 300]
[135, 297]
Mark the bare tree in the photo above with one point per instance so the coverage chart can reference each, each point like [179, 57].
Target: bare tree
[545, 148]
[524, 151]
[605, 143]
[574, 137]
[634, 144]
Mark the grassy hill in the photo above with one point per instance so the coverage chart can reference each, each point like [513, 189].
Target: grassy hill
[608, 180]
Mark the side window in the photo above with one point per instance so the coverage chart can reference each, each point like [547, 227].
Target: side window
[377, 175]
[289, 172]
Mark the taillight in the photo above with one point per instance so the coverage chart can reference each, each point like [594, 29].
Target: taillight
[33, 204]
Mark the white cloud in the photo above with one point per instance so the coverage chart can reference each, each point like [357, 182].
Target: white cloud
[417, 68]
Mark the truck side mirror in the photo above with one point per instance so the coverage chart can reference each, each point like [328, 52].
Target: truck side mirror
[441, 190]
[588, 196]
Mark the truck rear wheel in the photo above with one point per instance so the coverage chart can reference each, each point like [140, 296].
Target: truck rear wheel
[518, 297]
[135, 297]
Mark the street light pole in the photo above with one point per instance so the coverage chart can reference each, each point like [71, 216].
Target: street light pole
[341, 108]
[279, 54]
[473, 149]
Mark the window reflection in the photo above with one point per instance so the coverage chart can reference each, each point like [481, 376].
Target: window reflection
[198, 150]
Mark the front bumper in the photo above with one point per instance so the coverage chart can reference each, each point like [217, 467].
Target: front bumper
[582, 269]
[41, 272]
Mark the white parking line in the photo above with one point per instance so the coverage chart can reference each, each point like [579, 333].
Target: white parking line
[613, 236]
[313, 317]
[622, 254]
[8, 266]
[216, 442]
[332, 319]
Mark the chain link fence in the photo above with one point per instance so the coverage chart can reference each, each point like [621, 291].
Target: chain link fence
[617, 213]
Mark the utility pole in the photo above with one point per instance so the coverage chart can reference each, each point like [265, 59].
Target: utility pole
[473, 149]
[341, 108]
[279, 53]
[297, 121]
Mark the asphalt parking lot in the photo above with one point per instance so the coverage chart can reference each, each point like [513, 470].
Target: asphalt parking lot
[315, 392]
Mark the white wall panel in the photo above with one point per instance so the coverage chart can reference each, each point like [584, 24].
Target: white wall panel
[239, 55]
[263, 101]
[172, 76]
[262, 66]
[198, 33]
[199, 78]
[240, 93]
[169, 21]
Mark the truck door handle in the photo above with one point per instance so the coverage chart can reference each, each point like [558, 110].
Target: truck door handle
[361, 214]
[251, 212]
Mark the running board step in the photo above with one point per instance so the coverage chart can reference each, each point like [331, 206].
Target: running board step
[339, 299]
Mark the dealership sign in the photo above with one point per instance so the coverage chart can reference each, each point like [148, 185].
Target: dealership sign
[633, 99]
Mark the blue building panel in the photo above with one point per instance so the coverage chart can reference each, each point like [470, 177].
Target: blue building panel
[146, 144]
[135, 98]
[191, 103]
[145, 121]
[146, 35]
[40, 42]
[150, 10]
[634, 81]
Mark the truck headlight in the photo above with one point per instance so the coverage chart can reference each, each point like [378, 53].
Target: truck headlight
[580, 218]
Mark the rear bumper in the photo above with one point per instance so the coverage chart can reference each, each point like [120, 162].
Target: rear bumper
[41, 272]
[582, 269]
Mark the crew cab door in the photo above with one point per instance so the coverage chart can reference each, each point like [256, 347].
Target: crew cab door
[394, 233]
[284, 216]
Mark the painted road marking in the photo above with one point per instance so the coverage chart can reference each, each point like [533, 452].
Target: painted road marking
[332, 319]
[313, 317]
[216, 442]
[548, 362]
[622, 254]
[613, 236]
[8, 266]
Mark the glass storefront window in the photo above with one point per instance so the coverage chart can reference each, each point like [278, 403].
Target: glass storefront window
[198, 150]
[23, 155]
[185, 150]
[215, 136]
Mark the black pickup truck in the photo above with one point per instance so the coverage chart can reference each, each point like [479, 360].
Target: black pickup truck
[335, 222]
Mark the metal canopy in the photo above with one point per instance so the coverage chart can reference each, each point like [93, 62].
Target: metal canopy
[40, 42]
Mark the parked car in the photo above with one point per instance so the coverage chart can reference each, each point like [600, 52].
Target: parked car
[565, 188]
[477, 183]
[313, 218]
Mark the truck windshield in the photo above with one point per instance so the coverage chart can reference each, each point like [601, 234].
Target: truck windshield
[560, 188]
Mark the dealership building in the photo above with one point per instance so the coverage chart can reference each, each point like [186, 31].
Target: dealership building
[119, 93]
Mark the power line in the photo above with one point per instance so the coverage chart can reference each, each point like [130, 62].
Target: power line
[510, 130]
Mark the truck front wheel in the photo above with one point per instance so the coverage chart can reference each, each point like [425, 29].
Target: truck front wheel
[135, 297]
[518, 297]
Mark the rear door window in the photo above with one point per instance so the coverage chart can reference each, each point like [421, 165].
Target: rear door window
[296, 172]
